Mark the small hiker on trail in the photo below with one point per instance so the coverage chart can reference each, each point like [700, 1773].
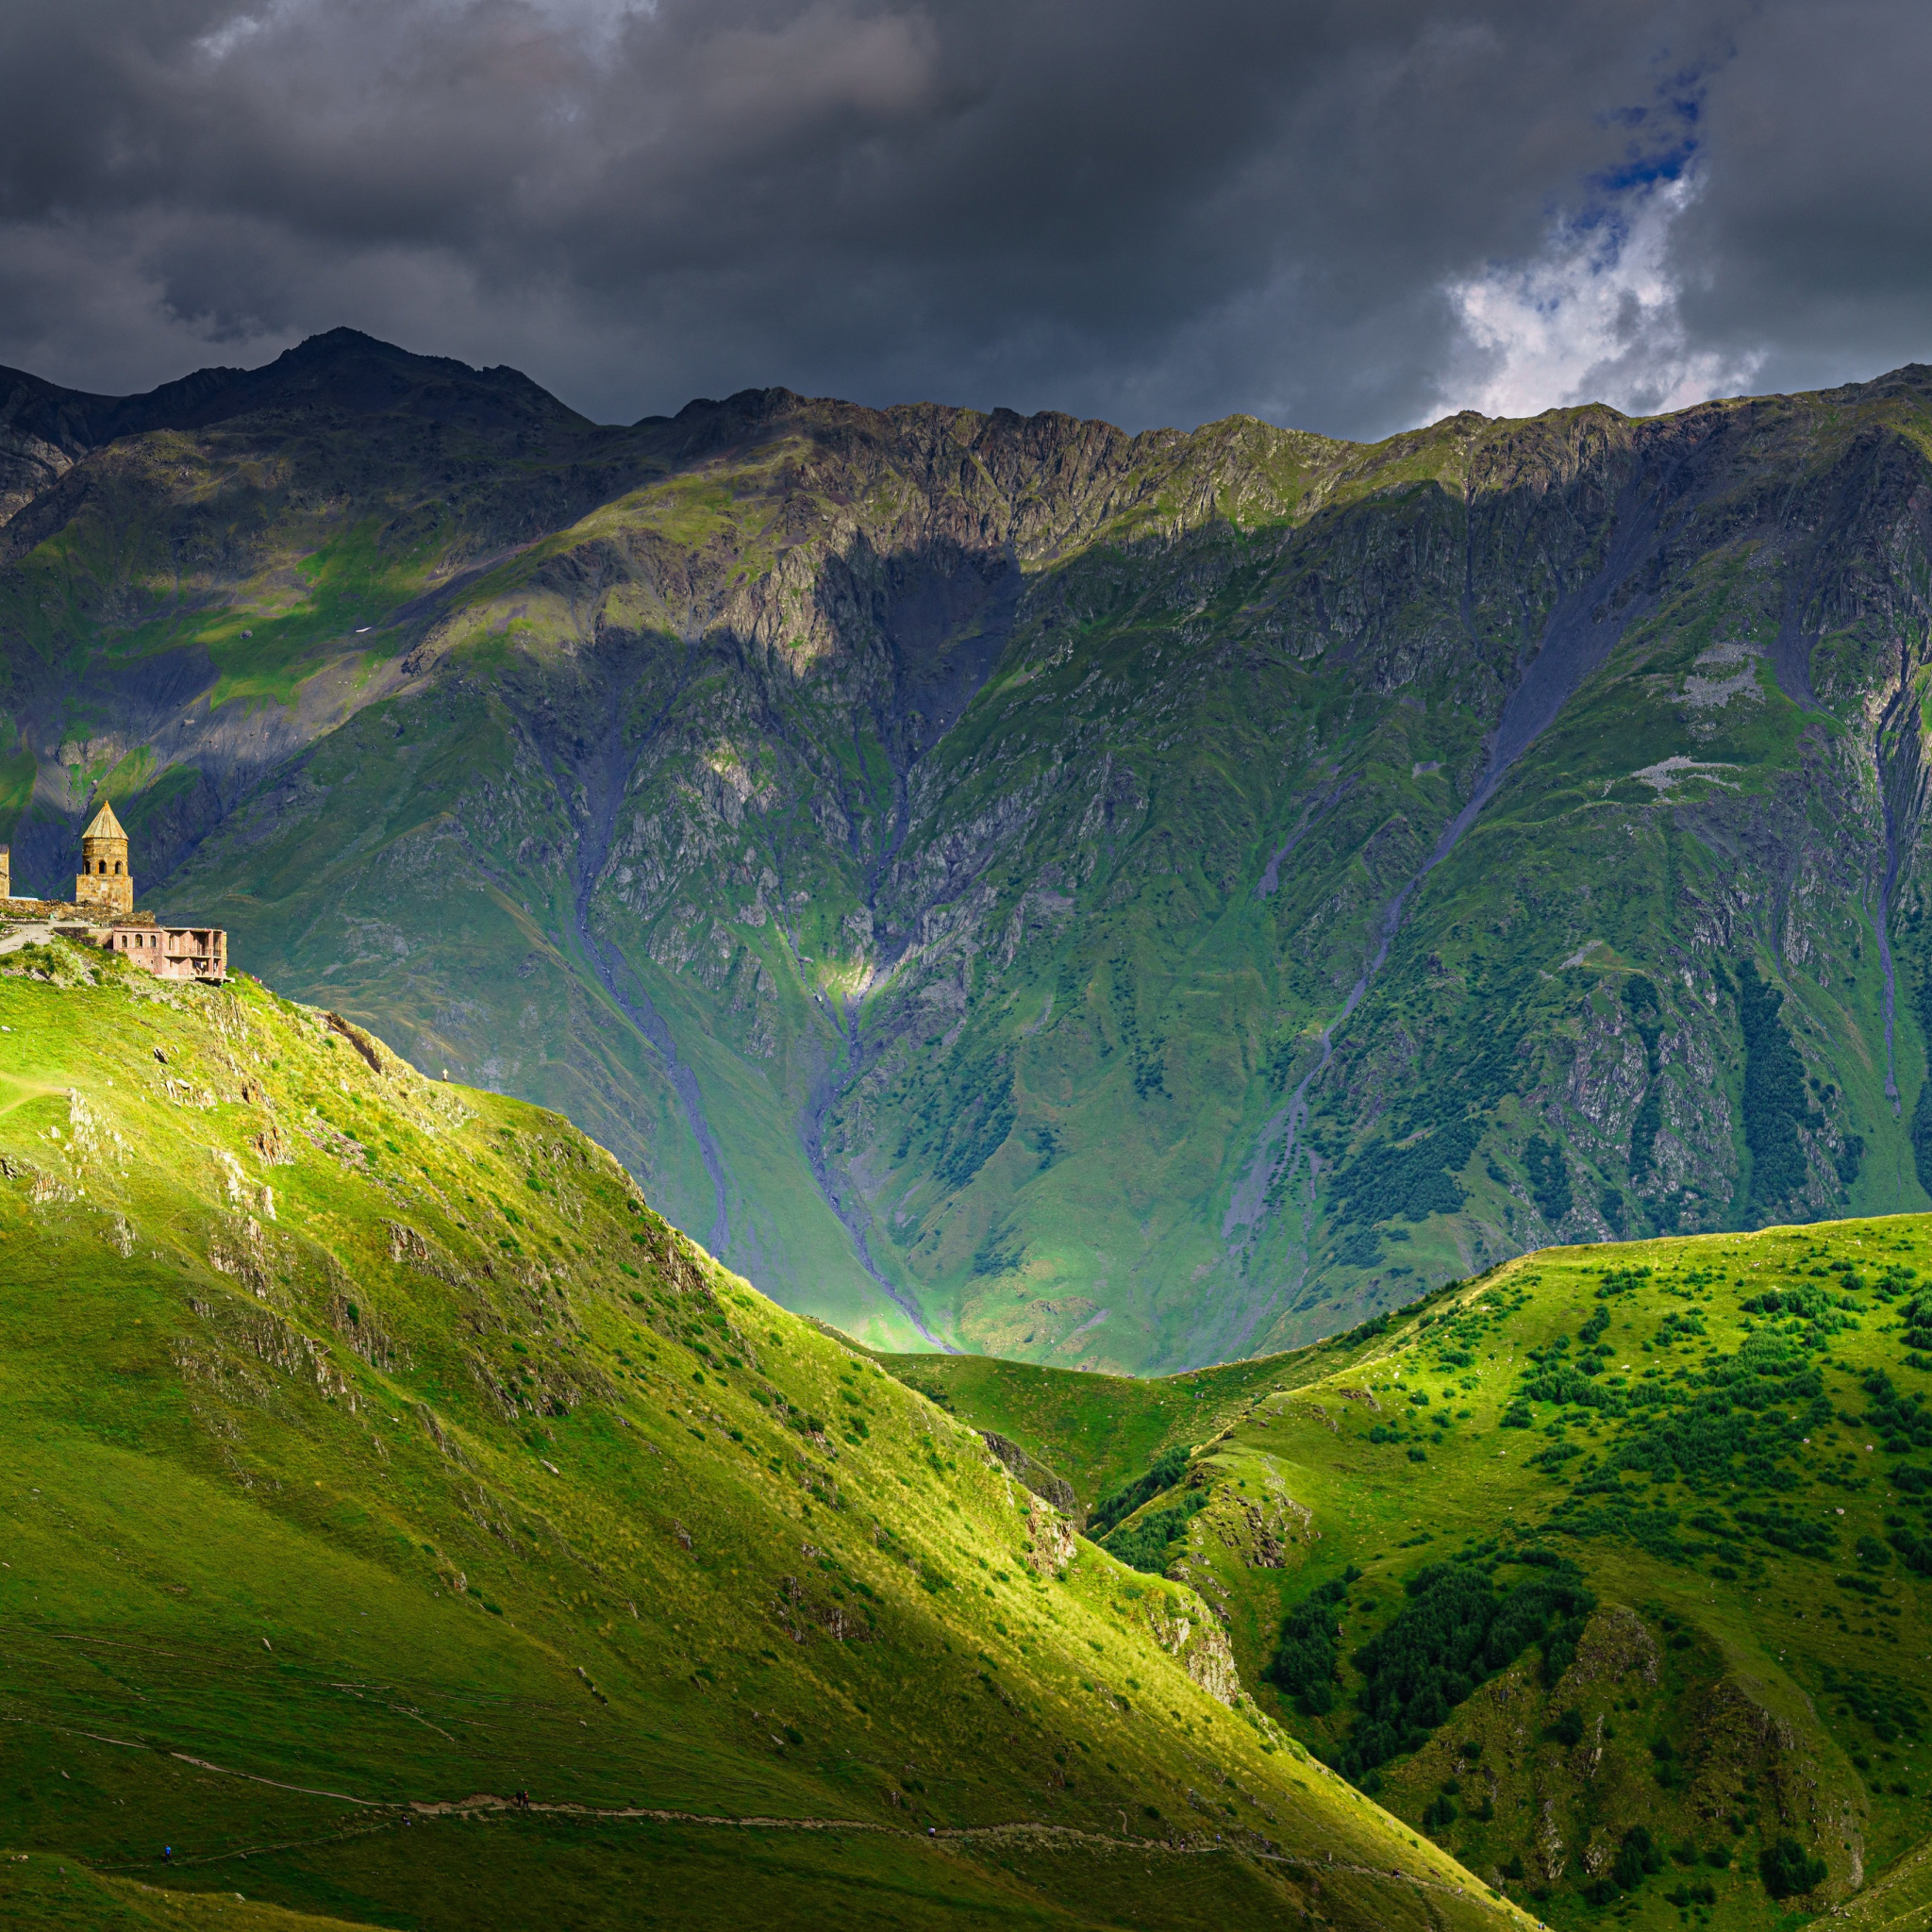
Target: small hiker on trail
[167, 1855]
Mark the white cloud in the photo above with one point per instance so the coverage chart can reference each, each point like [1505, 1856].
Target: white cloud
[1596, 316]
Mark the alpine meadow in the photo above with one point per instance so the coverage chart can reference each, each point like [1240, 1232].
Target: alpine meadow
[907, 1167]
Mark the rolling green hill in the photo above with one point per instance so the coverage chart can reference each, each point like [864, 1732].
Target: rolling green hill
[1118, 902]
[1608, 1568]
[403, 1525]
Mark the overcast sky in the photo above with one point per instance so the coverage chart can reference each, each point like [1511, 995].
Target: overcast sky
[1346, 215]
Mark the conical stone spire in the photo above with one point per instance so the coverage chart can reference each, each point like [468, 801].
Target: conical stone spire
[104, 883]
[105, 825]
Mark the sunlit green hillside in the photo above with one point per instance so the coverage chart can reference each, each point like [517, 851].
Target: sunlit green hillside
[1609, 1570]
[402, 1524]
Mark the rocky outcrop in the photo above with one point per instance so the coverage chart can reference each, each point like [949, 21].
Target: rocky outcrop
[1183, 1629]
[1037, 1477]
[1052, 1544]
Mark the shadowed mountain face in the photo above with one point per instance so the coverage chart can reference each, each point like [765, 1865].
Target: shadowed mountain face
[1120, 901]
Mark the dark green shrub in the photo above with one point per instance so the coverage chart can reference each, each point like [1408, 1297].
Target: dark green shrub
[1637, 1857]
[1549, 1179]
[1144, 1545]
[1774, 1103]
[1788, 1869]
[1302, 1666]
[1456, 1630]
[1165, 1470]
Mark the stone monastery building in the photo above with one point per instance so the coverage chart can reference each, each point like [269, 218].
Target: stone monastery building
[101, 912]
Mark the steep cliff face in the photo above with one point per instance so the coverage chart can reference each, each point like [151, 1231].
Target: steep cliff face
[1119, 900]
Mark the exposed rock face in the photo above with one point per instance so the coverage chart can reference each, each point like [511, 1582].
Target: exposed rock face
[1184, 1630]
[1616, 1643]
[1053, 1545]
[1122, 901]
[1734, 1755]
[1265, 1531]
[1052, 1489]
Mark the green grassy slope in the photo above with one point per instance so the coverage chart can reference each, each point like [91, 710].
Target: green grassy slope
[1101, 1431]
[375, 1459]
[1724, 1444]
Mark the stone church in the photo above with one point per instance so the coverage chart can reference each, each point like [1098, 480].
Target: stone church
[101, 912]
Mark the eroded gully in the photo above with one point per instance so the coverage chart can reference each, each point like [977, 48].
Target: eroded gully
[604, 779]
[835, 1080]
[1578, 641]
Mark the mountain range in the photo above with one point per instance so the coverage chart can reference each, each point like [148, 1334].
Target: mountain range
[1120, 902]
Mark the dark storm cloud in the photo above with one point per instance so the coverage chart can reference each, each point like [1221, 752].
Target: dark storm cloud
[1347, 214]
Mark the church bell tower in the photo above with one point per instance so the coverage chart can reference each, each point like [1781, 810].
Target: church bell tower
[105, 884]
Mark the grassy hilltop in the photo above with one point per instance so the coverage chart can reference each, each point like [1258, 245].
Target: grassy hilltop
[1609, 1570]
[406, 1525]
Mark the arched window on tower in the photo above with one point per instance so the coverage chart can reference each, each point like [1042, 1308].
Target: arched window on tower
[117, 867]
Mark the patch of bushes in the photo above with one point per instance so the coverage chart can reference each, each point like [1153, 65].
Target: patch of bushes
[1788, 1869]
[978, 1116]
[999, 1254]
[1646, 1015]
[1915, 1549]
[1775, 1101]
[1163, 1473]
[1903, 1421]
[1361, 1247]
[1637, 1857]
[1406, 1183]
[1921, 1135]
[1302, 1666]
[1549, 1179]
[1456, 1630]
[1144, 1545]
[1643, 1133]
[1801, 1534]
